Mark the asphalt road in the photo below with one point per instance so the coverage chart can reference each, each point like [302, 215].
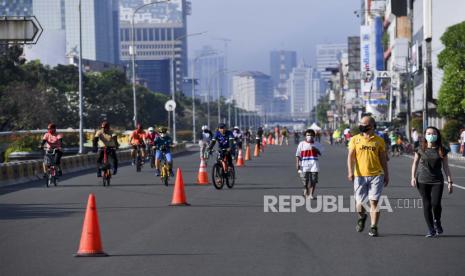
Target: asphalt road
[226, 232]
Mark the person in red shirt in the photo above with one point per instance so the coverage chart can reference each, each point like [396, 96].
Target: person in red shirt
[53, 141]
[136, 140]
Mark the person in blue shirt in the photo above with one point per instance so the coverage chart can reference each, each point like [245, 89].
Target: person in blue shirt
[225, 140]
[163, 144]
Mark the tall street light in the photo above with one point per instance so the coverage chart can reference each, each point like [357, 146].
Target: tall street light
[193, 91]
[213, 76]
[132, 52]
[81, 123]
[172, 78]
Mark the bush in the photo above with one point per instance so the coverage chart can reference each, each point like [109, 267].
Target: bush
[417, 123]
[26, 143]
[451, 131]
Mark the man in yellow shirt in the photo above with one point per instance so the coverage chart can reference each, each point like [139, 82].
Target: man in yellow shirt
[370, 173]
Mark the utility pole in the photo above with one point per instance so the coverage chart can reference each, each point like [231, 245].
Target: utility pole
[427, 32]
[81, 117]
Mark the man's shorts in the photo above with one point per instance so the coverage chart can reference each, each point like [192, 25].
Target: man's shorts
[142, 147]
[368, 187]
[309, 177]
[168, 156]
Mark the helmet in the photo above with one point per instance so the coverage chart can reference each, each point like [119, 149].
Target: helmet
[51, 126]
[222, 125]
[105, 124]
[236, 127]
[162, 130]
[204, 127]
[151, 130]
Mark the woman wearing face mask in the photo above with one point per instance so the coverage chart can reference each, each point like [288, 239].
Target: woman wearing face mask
[429, 162]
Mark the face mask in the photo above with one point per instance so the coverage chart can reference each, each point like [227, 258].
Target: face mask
[363, 128]
[162, 135]
[52, 131]
[431, 138]
[309, 139]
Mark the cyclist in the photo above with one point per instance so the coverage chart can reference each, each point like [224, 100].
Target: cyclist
[237, 134]
[136, 140]
[259, 137]
[105, 137]
[150, 140]
[163, 144]
[53, 141]
[205, 138]
[284, 135]
[247, 136]
[225, 140]
[393, 137]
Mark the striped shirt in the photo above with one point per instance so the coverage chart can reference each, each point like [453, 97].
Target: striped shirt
[308, 154]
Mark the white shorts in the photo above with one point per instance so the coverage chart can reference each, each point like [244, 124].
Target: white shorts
[368, 187]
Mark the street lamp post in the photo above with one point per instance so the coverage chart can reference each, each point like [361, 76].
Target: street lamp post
[132, 52]
[193, 91]
[81, 123]
[172, 80]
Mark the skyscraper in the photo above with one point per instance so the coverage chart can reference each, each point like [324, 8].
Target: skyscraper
[252, 91]
[327, 56]
[281, 64]
[16, 8]
[160, 34]
[304, 90]
[210, 71]
[98, 36]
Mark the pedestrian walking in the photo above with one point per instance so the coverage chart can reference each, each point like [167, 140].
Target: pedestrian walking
[368, 171]
[429, 162]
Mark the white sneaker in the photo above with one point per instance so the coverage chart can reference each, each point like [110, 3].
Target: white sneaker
[312, 197]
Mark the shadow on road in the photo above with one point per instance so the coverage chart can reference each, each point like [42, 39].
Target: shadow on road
[31, 211]
[160, 254]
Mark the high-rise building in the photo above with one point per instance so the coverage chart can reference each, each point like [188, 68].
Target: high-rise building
[304, 90]
[327, 56]
[210, 71]
[160, 34]
[353, 43]
[16, 8]
[60, 21]
[98, 29]
[252, 91]
[281, 64]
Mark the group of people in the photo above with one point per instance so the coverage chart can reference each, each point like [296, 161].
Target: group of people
[367, 166]
[106, 140]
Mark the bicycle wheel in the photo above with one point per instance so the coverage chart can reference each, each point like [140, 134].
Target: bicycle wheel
[47, 180]
[217, 176]
[139, 164]
[231, 179]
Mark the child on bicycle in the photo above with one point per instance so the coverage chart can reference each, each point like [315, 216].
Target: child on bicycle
[53, 141]
[137, 141]
[163, 144]
[307, 164]
[105, 138]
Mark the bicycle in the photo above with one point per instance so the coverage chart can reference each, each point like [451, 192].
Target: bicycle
[106, 167]
[139, 159]
[222, 173]
[165, 170]
[49, 160]
[151, 157]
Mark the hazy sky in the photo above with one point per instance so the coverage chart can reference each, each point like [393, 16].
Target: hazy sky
[258, 26]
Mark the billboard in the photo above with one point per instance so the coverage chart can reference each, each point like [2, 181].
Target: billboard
[163, 13]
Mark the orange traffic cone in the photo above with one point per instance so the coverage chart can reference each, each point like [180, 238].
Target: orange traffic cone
[257, 151]
[240, 159]
[202, 177]
[270, 139]
[179, 196]
[247, 153]
[263, 145]
[91, 244]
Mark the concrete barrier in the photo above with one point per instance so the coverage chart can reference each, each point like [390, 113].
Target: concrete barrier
[26, 171]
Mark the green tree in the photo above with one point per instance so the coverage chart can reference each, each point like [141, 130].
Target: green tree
[451, 102]
[321, 110]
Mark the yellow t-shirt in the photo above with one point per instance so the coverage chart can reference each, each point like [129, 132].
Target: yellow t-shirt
[367, 151]
[106, 139]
